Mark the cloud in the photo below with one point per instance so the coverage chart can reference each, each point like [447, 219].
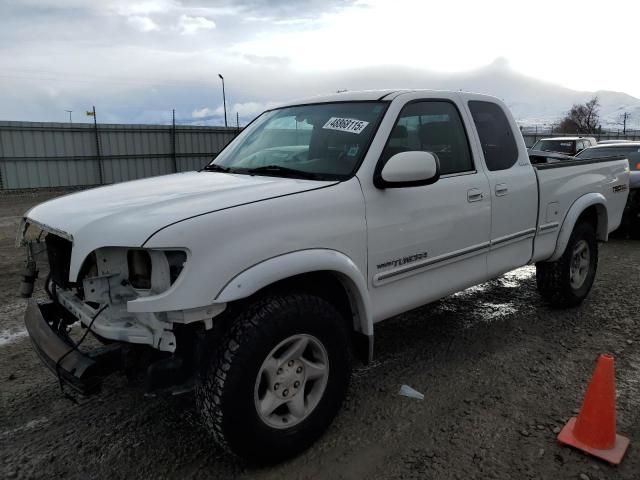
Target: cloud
[246, 110]
[191, 25]
[202, 112]
[252, 109]
[144, 24]
[136, 60]
[268, 61]
[145, 7]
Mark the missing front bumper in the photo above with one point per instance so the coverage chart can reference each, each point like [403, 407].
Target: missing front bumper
[83, 372]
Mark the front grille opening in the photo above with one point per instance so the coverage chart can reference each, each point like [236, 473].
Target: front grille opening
[59, 253]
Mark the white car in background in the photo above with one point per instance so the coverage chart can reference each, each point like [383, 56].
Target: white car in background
[564, 145]
[609, 142]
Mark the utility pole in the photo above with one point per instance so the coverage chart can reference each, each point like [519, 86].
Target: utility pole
[69, 112]
[92, 113]
[173, 140]
[625, 115]
[224, 101]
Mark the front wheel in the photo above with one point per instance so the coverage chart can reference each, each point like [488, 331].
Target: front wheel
[567, 281]
[278, 379]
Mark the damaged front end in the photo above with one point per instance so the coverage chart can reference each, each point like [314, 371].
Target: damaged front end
[161, 347]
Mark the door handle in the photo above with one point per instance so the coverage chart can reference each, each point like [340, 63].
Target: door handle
[474, 195]
[501, 189]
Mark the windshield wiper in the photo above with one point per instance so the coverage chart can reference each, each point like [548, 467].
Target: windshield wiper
[277, 169]
[212, 167]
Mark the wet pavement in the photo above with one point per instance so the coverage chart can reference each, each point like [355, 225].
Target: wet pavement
[500, 371]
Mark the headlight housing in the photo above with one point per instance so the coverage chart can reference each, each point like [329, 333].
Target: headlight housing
[139, 264]
[154, 270]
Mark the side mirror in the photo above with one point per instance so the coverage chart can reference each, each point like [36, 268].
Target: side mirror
[409, 169]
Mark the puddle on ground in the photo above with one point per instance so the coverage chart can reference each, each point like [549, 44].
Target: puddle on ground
[471, 291]
[27, 426]
[476, 309]
[516, 277]
[489, 311]
[11, 335]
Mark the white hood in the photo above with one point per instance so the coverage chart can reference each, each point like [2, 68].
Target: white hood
[127, 214]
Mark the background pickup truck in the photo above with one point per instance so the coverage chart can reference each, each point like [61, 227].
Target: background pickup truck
[256, 279]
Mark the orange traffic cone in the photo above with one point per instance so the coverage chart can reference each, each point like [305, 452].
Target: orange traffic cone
[594, 431]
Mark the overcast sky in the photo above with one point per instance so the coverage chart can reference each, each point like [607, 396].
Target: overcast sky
[136, 60]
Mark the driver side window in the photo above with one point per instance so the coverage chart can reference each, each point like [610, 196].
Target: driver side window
[431, 126]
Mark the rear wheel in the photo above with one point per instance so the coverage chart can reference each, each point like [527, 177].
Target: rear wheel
[567, 281]
[278, 379]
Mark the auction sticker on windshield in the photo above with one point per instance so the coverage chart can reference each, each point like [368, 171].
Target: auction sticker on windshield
[345, 124]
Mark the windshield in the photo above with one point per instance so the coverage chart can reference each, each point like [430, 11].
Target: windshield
[322, 141]
[559, 146]
[608, 151]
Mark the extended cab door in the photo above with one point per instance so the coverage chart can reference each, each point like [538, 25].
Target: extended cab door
[513, 186]
[425, 242]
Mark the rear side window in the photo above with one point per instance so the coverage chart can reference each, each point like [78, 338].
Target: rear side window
[432, 126]
[499, 146]
[566, 147]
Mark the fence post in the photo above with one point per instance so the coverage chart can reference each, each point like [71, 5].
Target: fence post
[98, 156]
[173, 141]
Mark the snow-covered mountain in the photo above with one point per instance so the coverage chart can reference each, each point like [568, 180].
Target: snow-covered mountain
[536, 102]
[532, 101]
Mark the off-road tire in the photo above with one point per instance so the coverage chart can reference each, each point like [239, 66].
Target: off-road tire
[630, 224]
[553, 278]
[225, 392]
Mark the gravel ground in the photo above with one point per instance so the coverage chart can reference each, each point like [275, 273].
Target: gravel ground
[501, 373]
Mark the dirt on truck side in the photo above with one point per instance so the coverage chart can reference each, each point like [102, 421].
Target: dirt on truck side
[501, 372]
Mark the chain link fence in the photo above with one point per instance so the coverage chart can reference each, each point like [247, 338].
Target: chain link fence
[533, 134]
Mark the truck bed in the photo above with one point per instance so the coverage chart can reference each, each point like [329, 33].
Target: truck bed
[563, 183]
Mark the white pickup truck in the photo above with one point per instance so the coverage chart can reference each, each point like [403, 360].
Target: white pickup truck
[258, 278]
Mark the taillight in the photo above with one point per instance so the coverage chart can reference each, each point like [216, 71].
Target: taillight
[637, 166]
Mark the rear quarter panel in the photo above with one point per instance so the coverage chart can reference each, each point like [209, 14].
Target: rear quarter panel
[562, 186]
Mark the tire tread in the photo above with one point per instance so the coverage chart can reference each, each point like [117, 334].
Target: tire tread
[552, 278]
[251, 324]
